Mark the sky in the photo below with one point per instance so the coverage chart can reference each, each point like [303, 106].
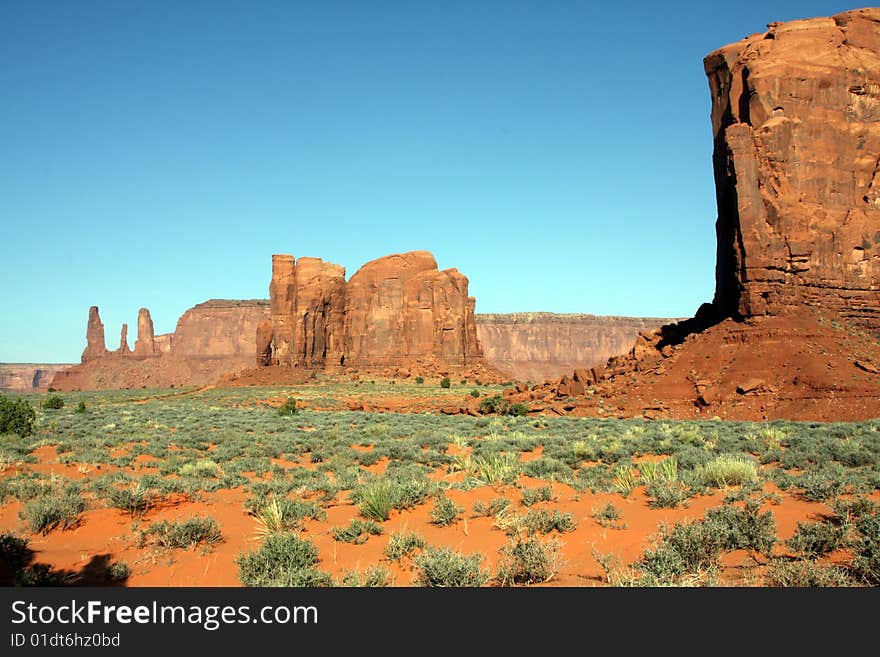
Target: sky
[156, 154]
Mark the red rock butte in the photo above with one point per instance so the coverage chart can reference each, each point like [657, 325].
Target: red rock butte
[399, 310]
[796, 120]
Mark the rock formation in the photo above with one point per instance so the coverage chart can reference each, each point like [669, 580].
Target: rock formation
[263, 342]
[28, 377]
[401, 308]
[145, 346]
[95, 345]
[537, 346]
[394, 311]
[123, 342]
[211, 339]
[219, 328]
[796, 120]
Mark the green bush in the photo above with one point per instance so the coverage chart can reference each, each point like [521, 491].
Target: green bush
[16, 416]
[446, 568]
[420, 379]
[495, 404]
[687, 549]
[445, 512]
[53, 403]
[373, 577]
[283, 560]
[815, 539]
[81, 407]
[529, 561]
[491, 508]
[60, 508]
[532, 496]
[445, 382]
[608, 516]
[357, 531]
[377, 498]
[804, 573]
[183, 534]
[727, 470]
[743, 528]
[867, 548]
[288, 407]
[475, 393]
[135, 500]
[403, 544]
[546, 521]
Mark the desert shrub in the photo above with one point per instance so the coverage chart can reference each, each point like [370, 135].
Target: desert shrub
[53, 402]
[182, 534]
[815, 539]
[727, 470]
[851, 511]
[687, 549]
[288, 407]
[357, 531]
[529, 561]
[39, 574]
[420, 379]
[134, 500]
[491, 508]
[743, 528]
[80, 408]
[445, 512]
[608, 516]
[445, 382]
[14, 551]
[532, 496]
[495, 404]
[546, 521]
[867, 548]
[475, 393]
[803, 573]
[376, 498]
[821, 485]
[282, 560]
[373, 577]
[200, 468]
[282, 514]
[666, 493]
[503, 467]
[624, 479]
[443, 567]
[403, 544]
[16, 416]
[58, 508]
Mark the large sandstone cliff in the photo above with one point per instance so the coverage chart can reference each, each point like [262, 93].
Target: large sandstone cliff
[535, 346]
[796, 119]
[218, 328]
[211, 339]
[28, 377]
[394, 311]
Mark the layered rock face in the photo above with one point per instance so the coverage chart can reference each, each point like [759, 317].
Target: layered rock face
[28, 377]
[211, 339]
[218, 328]
[796, 119]
[402, 308]
[536, 346]
[395, 310]
[95, 345]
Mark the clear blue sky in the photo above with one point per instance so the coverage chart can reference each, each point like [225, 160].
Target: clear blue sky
[158, 153]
